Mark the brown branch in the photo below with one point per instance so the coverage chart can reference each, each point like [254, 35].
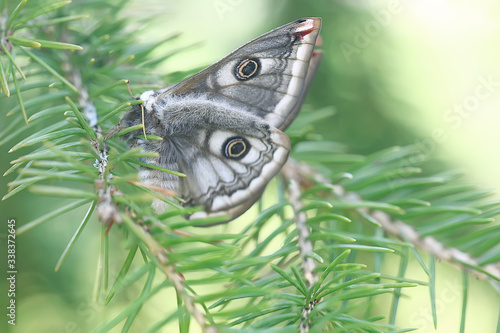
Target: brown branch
[291, 173]
[161, 256]
[109, 211]
[404, 231]
[431, 245]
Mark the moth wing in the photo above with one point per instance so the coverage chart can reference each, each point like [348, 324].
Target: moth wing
[267, 77]
[228, 169]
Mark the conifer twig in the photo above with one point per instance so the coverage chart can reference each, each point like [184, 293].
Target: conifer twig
[291, 173]
[402, 230]
[431, 245]
[160, 254]
[108, 211]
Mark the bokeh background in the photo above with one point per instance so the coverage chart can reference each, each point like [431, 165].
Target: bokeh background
[403, 72]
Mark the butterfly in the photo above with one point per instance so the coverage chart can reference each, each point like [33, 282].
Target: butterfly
[223, 127]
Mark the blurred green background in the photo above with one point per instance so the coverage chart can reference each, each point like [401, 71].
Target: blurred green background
[396, 72]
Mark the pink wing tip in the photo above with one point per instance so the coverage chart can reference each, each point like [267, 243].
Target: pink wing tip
[307, 26]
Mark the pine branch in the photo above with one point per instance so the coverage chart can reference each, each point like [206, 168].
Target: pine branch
[431, 245]
[160, 255]
[293, 178]
[302, 173]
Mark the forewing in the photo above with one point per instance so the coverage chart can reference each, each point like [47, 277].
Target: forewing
[267, 77]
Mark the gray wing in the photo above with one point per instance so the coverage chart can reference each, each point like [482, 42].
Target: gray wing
[267, 77]
[227, 165]
[228, 169]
